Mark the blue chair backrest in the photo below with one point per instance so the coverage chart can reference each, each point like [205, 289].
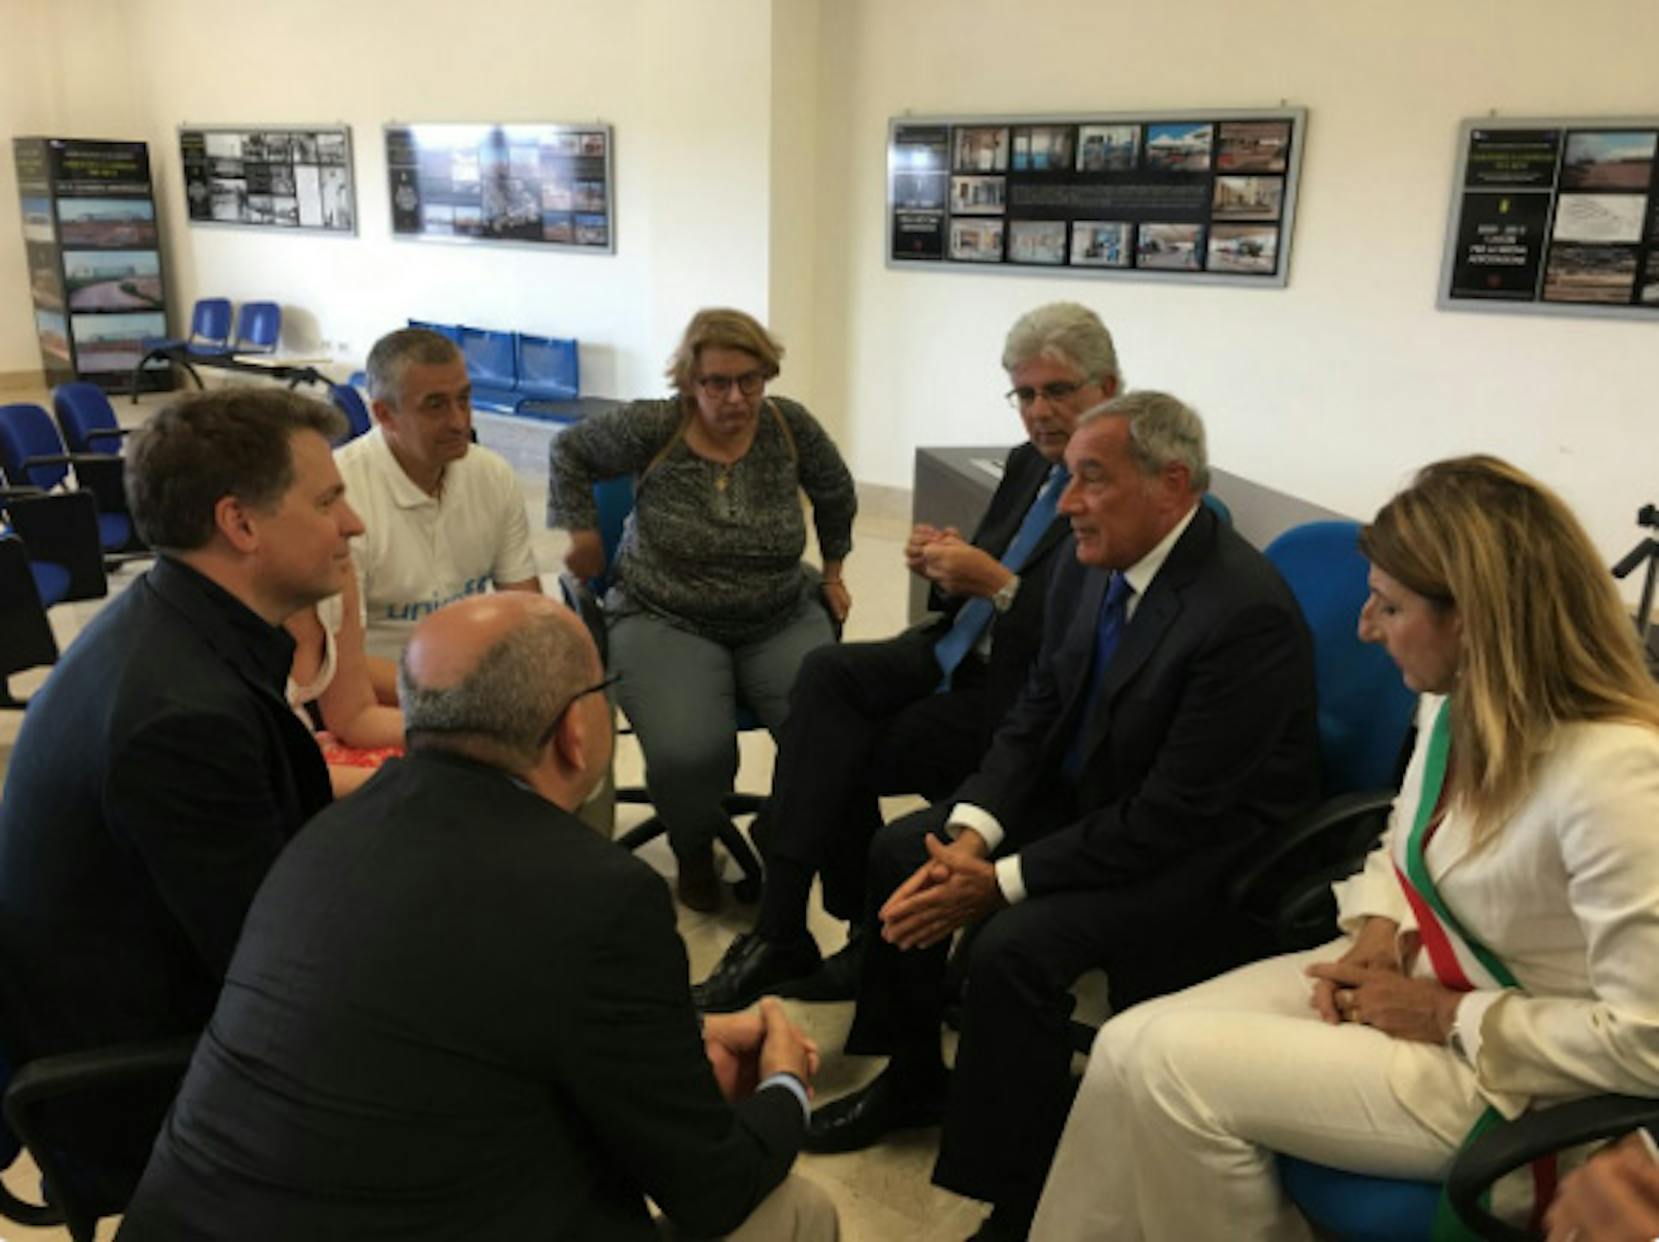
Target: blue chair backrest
[1364, 706]
[258, 327]
[548, 367]
[350, 403]
[210, 322]
[491, 356]
[83, 410]
[615, 499]
[28, 431]
[450, 331]
[1218, 506]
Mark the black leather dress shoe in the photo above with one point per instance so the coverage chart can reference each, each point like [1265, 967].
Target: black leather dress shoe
[752, 967]
[836, 980]
[865, 1117]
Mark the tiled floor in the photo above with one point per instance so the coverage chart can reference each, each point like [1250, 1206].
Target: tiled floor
[883, 1193]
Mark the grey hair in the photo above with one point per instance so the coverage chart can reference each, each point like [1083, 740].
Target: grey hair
[502, 709]
[1067, 332]
[393, 353]
[1162, 429]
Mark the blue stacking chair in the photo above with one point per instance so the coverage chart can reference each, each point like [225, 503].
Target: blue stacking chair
[87, 419]
[350, 402]
[32, 455]
[210, 322]
[492, 364]
[258, 328]
[549, 369]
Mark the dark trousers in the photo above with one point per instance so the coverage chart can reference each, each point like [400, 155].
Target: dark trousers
[864, 721]
[1011, 1087]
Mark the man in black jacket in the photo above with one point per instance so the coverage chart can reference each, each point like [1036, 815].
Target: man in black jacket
[457, 1013]
[160, 769]
[913, 714]
[1168, 724]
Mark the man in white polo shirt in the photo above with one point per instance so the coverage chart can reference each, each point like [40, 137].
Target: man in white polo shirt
[444, 517]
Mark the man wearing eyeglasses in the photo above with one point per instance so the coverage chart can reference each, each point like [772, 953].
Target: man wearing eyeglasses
[454, 1011]
[913, 714]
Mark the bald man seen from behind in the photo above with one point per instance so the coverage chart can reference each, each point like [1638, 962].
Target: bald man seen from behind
[456, 1013]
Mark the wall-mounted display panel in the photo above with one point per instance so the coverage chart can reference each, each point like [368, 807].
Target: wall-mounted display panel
[91, 243]
[549, 185]
[1205, 195]
[270, 176]
[1555, 217]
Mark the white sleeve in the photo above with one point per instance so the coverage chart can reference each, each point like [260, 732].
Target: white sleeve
[1608, 1040]
[515, 560]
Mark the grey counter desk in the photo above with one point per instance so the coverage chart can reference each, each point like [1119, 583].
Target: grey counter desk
[952, 486]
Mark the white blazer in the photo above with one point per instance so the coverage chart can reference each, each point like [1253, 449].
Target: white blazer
[1567, 896]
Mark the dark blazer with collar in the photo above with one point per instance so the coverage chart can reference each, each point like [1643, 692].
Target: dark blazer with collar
[456, 1012]
[1017, 633]
[1203, 734]
[158, 774]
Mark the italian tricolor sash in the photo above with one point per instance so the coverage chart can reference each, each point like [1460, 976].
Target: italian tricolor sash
[1460, 962]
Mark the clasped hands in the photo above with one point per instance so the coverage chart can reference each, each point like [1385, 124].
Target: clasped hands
[744, 1049]
[1368, 984]
[954, 565]
[954, 887]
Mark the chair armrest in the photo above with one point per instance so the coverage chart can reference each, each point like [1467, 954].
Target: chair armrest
[1284, 884]
[74, 1073]
[109, 433]
[104, 475]
[1511, 1144]
[20, 492]
[49, 459]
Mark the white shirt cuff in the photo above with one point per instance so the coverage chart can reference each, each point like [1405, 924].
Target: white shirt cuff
[967, 815]
[795, 1086]
[1466, 1021]
[1011, 880]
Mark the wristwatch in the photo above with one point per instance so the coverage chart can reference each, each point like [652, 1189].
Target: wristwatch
[1003, 600]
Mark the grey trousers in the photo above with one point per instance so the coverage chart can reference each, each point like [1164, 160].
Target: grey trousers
[681, 692]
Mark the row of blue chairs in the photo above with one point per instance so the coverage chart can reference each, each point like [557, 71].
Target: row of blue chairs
[211, 341]
[63, 519]
[512, 371]
[79, 452]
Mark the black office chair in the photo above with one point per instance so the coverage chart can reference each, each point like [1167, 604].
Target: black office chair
[47, 1079]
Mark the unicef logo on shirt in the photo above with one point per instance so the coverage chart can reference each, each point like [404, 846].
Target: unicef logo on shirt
[414, 610]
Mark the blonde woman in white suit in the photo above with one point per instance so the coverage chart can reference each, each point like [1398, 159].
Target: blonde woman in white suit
[1499, 947]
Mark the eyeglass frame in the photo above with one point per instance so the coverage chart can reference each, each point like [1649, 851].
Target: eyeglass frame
[553, 725]
[750, 384]
[1052, 392]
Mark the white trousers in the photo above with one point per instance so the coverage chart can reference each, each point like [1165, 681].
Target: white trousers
[1188, 1097]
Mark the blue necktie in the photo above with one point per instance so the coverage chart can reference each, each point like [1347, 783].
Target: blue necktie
[975, 615]
[1114, 609]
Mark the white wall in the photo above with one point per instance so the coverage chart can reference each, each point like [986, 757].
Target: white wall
[686, 86]
[1333, 388]
[750, 161]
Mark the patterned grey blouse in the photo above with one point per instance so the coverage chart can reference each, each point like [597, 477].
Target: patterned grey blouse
[714, 549]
